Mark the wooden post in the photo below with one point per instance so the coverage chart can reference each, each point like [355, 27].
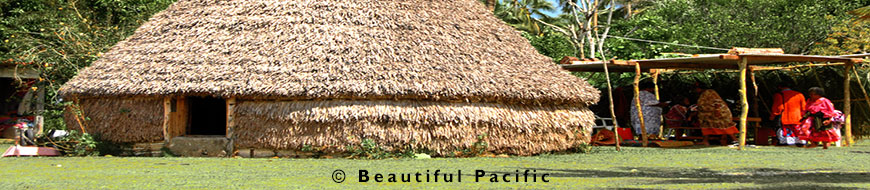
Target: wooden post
[743, 101]
[231, 125]
[612, 112]
[863, 90]
[167, 115]
[40, 109]
[655, 76]
[847, 104]
[638, 104]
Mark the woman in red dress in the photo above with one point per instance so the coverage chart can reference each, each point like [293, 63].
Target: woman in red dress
[821, 120]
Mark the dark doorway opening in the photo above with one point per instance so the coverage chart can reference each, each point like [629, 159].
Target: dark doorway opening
[208, 116]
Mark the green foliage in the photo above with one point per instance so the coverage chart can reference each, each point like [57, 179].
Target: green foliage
[479, 146]
[551, 44]
[791, 25]
[368, 149]
[519, 13]
[863, 13]
[848, 37]
[84, 144]
[59, 37]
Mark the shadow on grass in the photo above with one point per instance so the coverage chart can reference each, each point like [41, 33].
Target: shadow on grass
[773, 178]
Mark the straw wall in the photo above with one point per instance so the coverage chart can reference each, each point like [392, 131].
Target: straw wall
[438, 126]
[120, 119]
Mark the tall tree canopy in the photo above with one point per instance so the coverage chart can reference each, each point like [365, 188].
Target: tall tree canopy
[794, 25]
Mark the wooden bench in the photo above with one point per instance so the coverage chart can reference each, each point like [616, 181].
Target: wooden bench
[680, 131]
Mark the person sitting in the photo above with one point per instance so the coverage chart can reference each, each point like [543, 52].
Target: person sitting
[652, 110]
[682, 117]
[714, 116]
[678, 115]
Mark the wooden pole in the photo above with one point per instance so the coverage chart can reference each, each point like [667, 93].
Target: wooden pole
[231, 125]
[638, 104]
[655, 76]
[847, 105]
[861, 84]
[167, 115]
[612, 112]
[743, 101]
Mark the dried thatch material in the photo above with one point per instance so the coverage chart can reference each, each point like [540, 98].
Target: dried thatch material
[331, 49]
[438, 126]
[327, 73]
[120, 119]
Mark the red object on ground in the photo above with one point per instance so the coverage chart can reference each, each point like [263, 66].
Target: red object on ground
[604, 137]
[30, 151]
[762, 136]
[624, 133]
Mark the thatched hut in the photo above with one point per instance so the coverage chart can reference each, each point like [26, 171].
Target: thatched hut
[284, 75]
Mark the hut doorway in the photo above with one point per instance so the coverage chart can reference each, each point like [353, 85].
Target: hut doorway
[208, 116]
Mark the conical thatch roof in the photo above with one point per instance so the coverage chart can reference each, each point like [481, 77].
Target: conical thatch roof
[330, 49]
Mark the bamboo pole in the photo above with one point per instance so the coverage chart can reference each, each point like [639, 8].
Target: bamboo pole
[655, 76]
[637, 103]
[612, 112]
[847, 105]
[743, 101]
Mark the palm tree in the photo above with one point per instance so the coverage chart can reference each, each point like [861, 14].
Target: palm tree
[521, 13]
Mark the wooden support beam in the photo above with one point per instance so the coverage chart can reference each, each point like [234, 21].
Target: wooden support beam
[863, 90]
[744, 113]
[847, 105]
[612, 108]
[638, 104]
[729, 57]
[167, 117]
[655, 76]
[766, 68]
[231, 125]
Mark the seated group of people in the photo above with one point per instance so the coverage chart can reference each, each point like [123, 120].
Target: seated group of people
[711, 114]
[802, 120]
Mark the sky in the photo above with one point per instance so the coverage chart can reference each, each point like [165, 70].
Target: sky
[556, 12]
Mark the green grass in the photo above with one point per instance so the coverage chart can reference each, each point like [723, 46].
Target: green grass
[689, 168]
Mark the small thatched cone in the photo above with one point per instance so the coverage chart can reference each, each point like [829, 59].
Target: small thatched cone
[435, 73]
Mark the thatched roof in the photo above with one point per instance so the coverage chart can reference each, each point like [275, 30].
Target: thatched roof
[330, 49]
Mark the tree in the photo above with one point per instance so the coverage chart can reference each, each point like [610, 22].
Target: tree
[521, 14]
[59, 37]
[794, 25]
[863, 13]
[580, 24]
[846, 38]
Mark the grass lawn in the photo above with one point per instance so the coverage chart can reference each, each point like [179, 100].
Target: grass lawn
[687, 168]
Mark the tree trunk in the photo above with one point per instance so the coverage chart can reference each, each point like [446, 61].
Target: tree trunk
[628, 12]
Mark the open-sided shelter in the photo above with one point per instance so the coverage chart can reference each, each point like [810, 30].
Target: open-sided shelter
[744, 60]
[284, 75]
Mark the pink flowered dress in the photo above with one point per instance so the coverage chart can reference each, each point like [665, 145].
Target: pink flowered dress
[827, 108]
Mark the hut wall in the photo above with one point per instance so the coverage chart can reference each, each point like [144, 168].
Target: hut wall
[178, 118]
[441, 127]
[118, 119]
